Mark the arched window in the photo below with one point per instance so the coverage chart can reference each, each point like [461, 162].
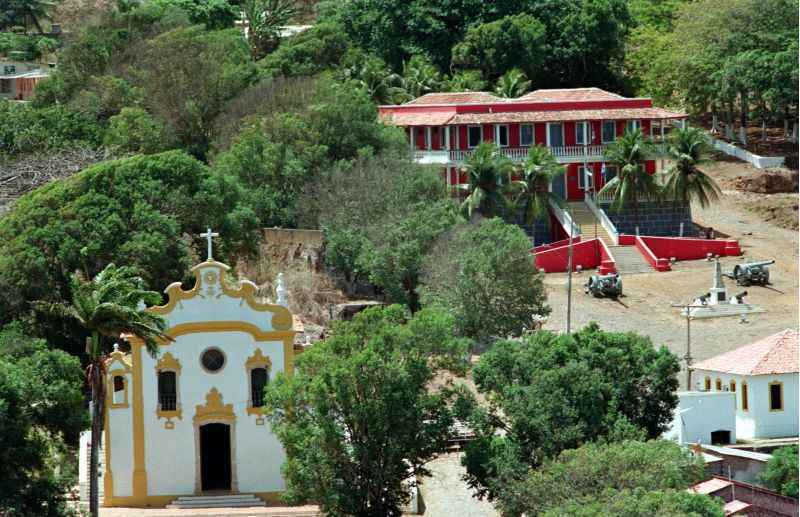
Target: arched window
[119, 390]
[733, 385]
[719, 384]
[258, 380]
[167, 391]
[708, 384]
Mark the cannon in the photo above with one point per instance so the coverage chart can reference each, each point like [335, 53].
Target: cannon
[738, 299]
[752, 273]
[608, 286]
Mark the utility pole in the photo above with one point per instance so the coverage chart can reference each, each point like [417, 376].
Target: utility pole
[688, 357]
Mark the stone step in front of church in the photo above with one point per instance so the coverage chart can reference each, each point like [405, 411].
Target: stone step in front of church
[217, 501]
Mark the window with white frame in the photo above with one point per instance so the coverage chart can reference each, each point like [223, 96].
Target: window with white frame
[474, 136]
[582, 133]
[526, 135]
[501, 135]
[633, 125]
[555, 134]
[609, 131]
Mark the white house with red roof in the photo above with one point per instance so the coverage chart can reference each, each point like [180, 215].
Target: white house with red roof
[575, 124]
[764, 378]
[746, 394]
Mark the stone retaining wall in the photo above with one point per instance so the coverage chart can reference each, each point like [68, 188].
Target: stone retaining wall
[659, 218]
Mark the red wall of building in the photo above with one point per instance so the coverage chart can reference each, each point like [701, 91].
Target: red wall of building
[586, 254]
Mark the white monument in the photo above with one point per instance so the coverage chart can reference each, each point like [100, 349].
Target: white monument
[189, 422]
[717, 302]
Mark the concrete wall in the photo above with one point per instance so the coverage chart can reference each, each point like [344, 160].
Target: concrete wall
[699, 414]
[760, 162]
[662, 218]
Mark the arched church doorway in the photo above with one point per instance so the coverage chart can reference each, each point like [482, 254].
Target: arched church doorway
[215, 457]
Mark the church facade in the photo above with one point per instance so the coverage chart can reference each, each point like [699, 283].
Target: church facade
[189, 421]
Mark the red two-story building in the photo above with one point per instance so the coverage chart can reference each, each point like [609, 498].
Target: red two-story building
[575, 124]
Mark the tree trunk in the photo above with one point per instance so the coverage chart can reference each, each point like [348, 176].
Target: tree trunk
[98, 405]
[745, 108]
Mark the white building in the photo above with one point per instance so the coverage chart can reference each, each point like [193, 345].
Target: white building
[189, 422]
[757, 385]
[18, 79]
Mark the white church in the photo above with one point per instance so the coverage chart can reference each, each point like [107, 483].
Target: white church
[188, 423]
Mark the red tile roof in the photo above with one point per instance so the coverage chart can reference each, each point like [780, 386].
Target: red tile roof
[455, 98]
[772, 355]
[556, 116]
[570, 94]
[417, 118]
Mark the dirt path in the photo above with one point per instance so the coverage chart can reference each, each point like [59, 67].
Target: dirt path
[649, 295]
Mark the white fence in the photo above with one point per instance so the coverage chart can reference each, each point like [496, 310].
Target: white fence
[760, 162]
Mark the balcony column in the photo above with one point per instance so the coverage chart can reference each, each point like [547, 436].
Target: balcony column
[663, 148]
[428, 139]
[447, 137]
[411, 134]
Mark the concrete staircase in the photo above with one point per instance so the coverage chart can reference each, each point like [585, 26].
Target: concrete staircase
[588, 223]
[217, 501]
[629, 260]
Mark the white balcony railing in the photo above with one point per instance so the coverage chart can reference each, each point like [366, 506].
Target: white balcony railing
[563, 154]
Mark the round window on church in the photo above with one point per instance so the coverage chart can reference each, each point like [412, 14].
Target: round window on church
[212, 360]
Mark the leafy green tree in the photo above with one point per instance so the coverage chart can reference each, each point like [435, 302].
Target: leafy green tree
[498, 47]
[397, 31]
[534, 196]
[549, 393]
[489, 176]
[214, 14]
[357, 418]
[641, 501]
[781, 472]
[104, 96]
[265, 18]
[379, 228]
[136, 131]
[26, 129]
[485, 275]
[322, 47]
[188, 75]
[632, 183]
[707, 39]
[605, 474]
[23, 12]
[512, 84]
[107, 306]
[685, 181]
[133, 212]
[41, 410]
[465, 81]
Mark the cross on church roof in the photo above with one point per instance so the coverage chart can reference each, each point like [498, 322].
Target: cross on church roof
[209, 235]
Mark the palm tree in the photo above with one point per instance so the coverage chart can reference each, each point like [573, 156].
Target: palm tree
[489, 176]
[685, 182]
[632, 182]
[380, 83]
[420, 76]
[110, 304]
[538, 172]
[512, 84]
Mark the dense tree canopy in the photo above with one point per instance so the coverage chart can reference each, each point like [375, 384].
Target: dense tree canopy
[624, 478]
[358, 417]
[745, 51]
[553, 392]
[485, 275]
[41, 410]
[781, 472]
[142, 211]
